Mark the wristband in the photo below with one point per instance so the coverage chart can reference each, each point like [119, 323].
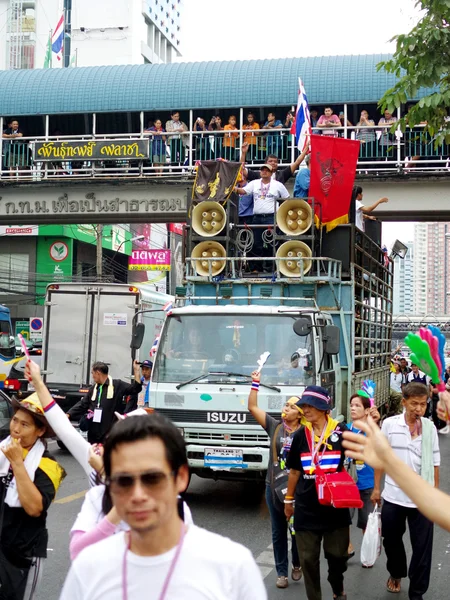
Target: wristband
[289, 497]
[255, 385]
[289, 502]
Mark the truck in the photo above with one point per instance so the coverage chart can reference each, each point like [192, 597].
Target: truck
[88, 322]
[327, 322]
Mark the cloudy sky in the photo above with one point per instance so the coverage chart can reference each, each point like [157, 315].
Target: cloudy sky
[252, 29]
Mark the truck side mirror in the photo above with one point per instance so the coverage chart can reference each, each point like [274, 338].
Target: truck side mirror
[302, 327]
[331, 339]
[137, 336]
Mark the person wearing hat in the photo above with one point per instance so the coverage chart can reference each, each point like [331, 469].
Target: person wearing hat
[319, 442]
[267, 193]
[396, 381]
[29, 480]
[280, 432]
[143, 397]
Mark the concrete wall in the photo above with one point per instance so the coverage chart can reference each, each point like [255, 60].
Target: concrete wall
[21, 304]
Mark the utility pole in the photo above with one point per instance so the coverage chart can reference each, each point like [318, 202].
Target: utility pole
[99, 252]
[67, 32]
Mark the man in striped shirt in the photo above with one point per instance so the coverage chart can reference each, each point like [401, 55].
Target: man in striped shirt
[414, 439]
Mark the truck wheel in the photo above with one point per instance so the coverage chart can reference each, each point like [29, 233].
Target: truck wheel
[61, 445]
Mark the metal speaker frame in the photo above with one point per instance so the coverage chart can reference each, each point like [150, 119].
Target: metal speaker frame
[208, 218]
[294, 247]
[206, 249]
[295, 224]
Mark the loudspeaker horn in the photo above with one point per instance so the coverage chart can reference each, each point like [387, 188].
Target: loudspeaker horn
[209, 249]
[295, 250]
[208, 218]
[294, 217]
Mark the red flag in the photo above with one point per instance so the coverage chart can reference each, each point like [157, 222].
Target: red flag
[333, 169]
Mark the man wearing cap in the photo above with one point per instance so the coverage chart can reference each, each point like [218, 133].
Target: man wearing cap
[142, 399]
[319, 442]
[266, 192]
[104, 398]
[29, 480]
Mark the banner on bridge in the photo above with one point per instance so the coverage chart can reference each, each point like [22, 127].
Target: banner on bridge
[137, 149]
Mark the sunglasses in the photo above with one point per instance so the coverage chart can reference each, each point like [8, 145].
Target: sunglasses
[152, 481]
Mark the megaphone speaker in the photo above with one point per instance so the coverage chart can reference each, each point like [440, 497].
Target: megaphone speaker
[294, 217]
[205, 250]
[208, 218]
[297, 252]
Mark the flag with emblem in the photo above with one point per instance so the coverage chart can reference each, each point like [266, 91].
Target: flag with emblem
[215, 180]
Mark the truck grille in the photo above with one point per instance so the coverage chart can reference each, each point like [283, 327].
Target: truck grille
[200, 416]
[255, 438]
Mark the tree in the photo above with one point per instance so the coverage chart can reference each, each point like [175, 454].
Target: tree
[422, 60]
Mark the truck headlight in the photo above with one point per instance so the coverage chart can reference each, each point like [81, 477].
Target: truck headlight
[181, 430]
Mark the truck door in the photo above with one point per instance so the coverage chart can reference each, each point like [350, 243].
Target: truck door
[111, 332]
[66, 337]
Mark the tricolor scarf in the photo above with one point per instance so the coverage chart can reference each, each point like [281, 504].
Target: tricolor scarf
[31, 462]
[110, 393]
[332, 424]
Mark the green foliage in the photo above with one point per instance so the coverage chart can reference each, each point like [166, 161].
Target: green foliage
[422, 60]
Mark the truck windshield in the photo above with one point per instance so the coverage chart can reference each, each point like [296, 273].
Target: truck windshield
[194, 344]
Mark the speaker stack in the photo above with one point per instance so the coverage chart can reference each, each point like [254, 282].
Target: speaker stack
[295, 220]
[211, 236]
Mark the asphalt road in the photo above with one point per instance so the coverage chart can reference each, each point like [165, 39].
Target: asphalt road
[228, 509]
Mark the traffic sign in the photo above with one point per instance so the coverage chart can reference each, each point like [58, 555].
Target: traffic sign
[23, 327]
[36, 326]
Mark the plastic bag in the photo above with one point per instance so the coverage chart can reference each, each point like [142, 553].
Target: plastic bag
[371, 544]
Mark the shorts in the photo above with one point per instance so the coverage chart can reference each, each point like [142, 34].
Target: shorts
[159, 159]
[364, 512]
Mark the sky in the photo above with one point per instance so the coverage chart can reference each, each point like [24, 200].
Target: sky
[258, 29]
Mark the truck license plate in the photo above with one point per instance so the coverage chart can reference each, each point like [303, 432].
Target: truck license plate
[224, 458]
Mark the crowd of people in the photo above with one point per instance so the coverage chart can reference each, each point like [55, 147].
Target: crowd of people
[135, 536]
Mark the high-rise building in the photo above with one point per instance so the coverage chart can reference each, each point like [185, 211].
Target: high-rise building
[103, 32]
[432, 269]
[404, 283]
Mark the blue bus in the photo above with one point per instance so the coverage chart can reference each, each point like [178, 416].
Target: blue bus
[7, 344]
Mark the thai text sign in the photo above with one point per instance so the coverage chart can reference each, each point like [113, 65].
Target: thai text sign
[90, 150]
[149, 260]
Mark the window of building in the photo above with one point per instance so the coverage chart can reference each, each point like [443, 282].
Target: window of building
[14, 273]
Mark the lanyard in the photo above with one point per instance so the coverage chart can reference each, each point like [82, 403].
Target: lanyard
[169, 574]
[314, 448]
[99, 397]
[264, 189]
[147, 393]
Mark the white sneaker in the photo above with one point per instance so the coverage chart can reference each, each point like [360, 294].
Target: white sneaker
[444, 430]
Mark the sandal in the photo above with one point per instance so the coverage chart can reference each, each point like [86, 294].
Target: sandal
[394, 586]
[296, 573]
[282, 582]
[340, 597]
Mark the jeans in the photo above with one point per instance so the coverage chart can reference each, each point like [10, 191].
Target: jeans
[393, 527]
[258, 249]
[280, 536]
[335, 547]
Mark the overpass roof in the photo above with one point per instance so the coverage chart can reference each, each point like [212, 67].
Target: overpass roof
[199, 85]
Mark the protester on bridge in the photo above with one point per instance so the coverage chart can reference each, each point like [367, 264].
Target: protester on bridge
[374, 449]
[142, 399]
[178, 140]
[251, 138]
[229, 139]
[15, 151]
[29, 480]
[365, 132]
[146, 468]
[103, 399]
[360, 409]
[319, 442]
[414, 440]
[273, 140]
[328, 122]
[387, 140]
[280, 432]
[158, 145]
[216, 140]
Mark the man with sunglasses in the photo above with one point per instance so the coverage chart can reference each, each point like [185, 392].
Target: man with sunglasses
[160, 558]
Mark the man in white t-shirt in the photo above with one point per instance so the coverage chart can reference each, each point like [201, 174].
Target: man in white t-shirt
[414, 440]
[146, 468]
[267, 193]
[363, 212]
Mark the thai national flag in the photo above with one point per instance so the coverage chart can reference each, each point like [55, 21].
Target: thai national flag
[58, 39]
[168, 308]
[154, 347]
[301, 126]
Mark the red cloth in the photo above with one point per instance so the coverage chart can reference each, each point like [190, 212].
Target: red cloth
[333, 169]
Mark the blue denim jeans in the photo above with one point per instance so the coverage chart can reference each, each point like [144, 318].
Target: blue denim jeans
[280, 537]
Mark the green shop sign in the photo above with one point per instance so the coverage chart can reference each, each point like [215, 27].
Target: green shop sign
[54, 263]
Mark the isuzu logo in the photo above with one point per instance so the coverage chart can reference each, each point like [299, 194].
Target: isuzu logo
[226, 417]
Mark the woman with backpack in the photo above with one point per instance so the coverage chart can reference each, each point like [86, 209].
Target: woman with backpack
[280, 432]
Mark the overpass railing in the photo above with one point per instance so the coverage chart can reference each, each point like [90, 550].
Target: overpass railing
[174, 155]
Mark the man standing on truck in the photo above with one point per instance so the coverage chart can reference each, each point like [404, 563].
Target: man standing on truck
[103, 399]
[142, 399]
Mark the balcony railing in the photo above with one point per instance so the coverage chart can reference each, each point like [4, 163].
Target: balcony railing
[174, 155]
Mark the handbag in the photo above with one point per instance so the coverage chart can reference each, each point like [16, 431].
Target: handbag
[334, 489]
[279, 476]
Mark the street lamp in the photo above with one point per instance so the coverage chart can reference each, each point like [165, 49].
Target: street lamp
[133, 239]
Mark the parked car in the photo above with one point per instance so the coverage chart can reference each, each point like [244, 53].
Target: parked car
[6, 413]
